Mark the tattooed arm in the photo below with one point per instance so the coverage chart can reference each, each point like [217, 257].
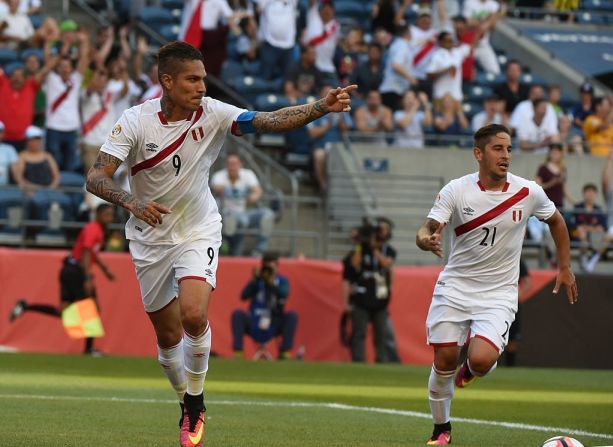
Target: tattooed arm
[100, 182]
[429, 237]
[289, 118]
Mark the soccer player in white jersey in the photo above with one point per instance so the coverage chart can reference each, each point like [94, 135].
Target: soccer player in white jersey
[476, 294]
[169, 145]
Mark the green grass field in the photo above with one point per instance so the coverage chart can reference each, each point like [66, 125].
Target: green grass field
[48, 400]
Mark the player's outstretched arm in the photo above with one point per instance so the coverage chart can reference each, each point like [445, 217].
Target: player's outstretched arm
[289, 118]
[429, 237]
[100, 182]
[565, 277]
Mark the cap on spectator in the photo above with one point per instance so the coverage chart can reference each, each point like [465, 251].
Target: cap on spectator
[10, 68]
[68, 25]
[586, 87]
[1, 126]
[424, 11]
[33, 132]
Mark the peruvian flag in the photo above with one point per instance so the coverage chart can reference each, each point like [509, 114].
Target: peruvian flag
[190, 23]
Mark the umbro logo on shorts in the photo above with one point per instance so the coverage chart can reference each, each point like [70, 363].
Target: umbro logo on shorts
[208, 272]
[152, 147]
[468, 211]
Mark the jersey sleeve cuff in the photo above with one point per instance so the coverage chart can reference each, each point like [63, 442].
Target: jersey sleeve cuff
[113, 152]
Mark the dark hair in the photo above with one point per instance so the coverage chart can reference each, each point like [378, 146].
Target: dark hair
[270, 256]
[538, 102]
[375, 45]
[442, 35]
[512, 61]
[599, 100]
[591, 186]
[169, 54]
[483, 135]
[459, 18]
[103, 207]
[401, 30]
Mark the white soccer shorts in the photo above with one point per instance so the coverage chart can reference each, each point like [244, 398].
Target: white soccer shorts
[450, 323]
[160, 268]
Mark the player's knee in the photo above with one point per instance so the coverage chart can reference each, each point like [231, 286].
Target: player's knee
[167, 338]
[194, 321]
[480, 365]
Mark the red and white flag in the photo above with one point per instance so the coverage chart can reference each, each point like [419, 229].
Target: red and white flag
[190, 23]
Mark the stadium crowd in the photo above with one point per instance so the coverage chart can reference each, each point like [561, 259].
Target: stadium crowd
[427, 75]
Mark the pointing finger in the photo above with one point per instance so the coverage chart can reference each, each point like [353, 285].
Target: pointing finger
[350, 88]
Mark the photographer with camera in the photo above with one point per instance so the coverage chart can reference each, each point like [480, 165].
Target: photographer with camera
[266, 317]
[367, 282]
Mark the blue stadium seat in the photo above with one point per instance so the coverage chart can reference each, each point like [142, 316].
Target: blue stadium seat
[173, 4]
[7, 56]
[267, 102]
[230, 70]
[597, 5]
[477, 93]
[169, 32]
[155, 17]
[250, 86]
[471, 109]
[591, 18]
[531, 78]
[37, 20]
[40, 54]
[489, 79]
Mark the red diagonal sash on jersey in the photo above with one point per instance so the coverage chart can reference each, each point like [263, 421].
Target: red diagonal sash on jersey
[151, 162]
[97, 117]
[60, 99]
[423, 52]
[322, 37]
[491, 214]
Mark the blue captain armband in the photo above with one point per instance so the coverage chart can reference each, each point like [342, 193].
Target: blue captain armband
[243, 124]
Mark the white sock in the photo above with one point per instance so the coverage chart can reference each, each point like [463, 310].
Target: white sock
[171, 361]
[440, 386]
[481, 375]
[196, 352]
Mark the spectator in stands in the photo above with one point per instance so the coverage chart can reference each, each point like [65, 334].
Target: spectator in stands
[416, 114]
[62, 118]
[97, 113]
[483, 14]
[238, 188]
[598, 127]
[30, 7]
[524, 112]
[367, 286]
[607, 192]
[445, 68]
[17, 99]
[38, 176]
[369, 74]
[248, 45]
[533, 133]
[389, 14]
[571, 141]
[450, 121]
[118, 71]
[512, 91]
[588, 219]
[492, 113]
[554, 95]
[304, 78]
[15, 27]
[423, 44]
[8, 156]
[323, 32]
[214, 20]
[278, 33]
[398, 76]
[149, 82]
[267, 293]
[374, 119]
[383, 38]
[465, 35]
[69, 42]
[584, 107]
[349, 53]
[323, 133]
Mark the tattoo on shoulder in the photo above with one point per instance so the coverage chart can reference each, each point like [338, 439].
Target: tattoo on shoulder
[106, 160]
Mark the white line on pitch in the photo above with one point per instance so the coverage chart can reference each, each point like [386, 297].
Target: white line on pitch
[329, 405]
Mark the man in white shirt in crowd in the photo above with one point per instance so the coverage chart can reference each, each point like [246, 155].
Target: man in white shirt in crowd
[492, 113]
[278, 35]
[238, 188]
[483, 14]
[423, 42]
[8, 156]
[323, 32]
[533, 133]
[15, 26]
[62, 118]
[525, 111]
[398, 74]
[97, 101]
[445, 69]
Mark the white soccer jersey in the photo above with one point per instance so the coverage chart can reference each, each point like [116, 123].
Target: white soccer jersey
[487, 230]
[169, 163]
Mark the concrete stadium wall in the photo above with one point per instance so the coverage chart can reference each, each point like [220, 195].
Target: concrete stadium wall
[453, 163]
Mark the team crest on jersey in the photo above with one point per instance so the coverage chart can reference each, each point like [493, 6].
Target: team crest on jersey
[116, 130]
[517, 215]
[198, 133]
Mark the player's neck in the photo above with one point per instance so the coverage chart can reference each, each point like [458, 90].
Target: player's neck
[171, 111]
[492, 183]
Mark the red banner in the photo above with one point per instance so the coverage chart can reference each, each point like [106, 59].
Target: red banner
[315, 294]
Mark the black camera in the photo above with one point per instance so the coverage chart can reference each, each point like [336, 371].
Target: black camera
[367, 231]
[267, 271]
